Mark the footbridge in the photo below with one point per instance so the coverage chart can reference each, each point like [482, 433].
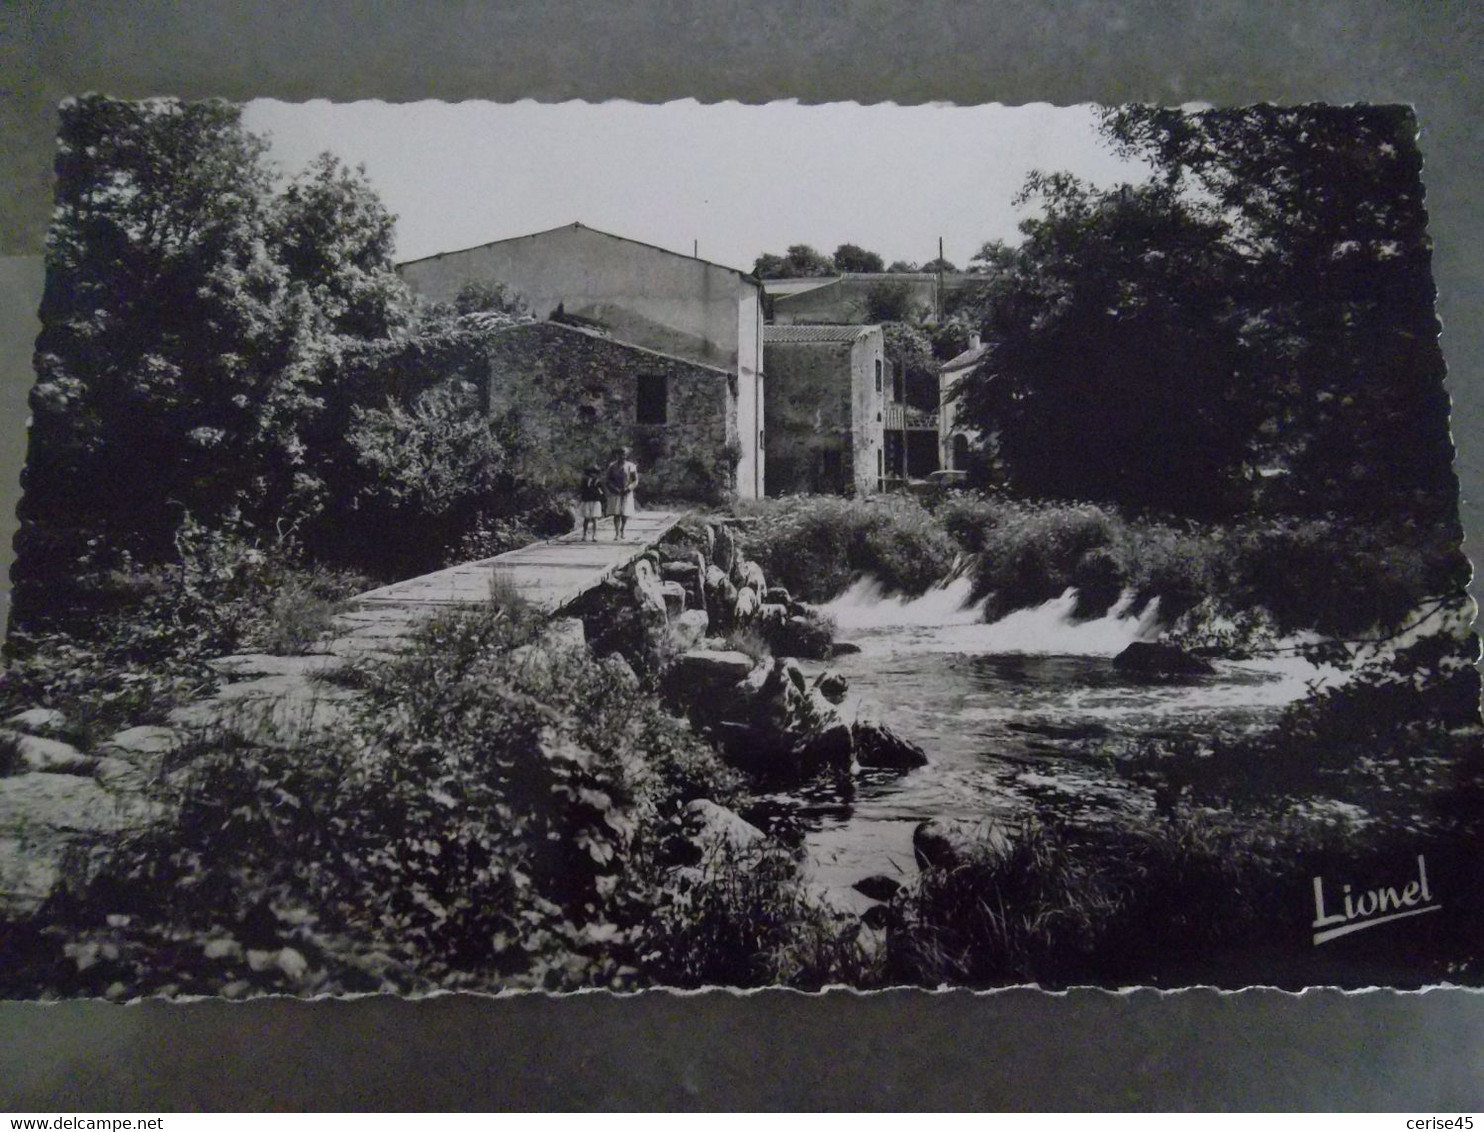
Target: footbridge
[548, 575]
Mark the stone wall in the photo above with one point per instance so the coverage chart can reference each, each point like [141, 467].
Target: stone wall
[575, 395]
[823, 415]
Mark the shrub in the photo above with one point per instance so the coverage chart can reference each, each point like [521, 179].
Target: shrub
[816, 546]
[1194, 898]
[744, 919]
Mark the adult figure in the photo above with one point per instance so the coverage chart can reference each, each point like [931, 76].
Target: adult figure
[620, 479]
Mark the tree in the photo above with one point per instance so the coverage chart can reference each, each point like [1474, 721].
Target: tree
[904, 266]
[992, 256]
[172, 356]
[190, 318]
[1115, 373]
[888, 302]
[1327, 218]
[335, 237]
[935, 265]
[801, 262]
[849, 257]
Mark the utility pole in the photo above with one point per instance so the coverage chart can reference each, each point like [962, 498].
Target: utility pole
[695, 249]
[940, 279]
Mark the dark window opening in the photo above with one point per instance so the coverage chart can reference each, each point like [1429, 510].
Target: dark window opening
[878, 375]
[653, 404]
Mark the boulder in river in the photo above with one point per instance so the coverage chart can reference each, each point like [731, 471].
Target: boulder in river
[877, 745]
[832, 686]
[949, 843]
[1157, 659]
[776, 727]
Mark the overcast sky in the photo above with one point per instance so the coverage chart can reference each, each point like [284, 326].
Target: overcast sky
[738, 179]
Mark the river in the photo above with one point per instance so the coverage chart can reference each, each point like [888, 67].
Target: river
[1018, 717]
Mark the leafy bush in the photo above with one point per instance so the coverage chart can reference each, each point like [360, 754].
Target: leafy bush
[227, 590]
[501, 812]
[743, 919]
[816, 546]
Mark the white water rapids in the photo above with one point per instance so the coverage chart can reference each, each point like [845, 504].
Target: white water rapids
[1018, 715]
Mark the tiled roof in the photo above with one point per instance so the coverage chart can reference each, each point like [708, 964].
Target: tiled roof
[808, 333]
[965, 360]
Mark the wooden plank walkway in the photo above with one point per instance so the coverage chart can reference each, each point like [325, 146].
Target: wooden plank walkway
[550, 575]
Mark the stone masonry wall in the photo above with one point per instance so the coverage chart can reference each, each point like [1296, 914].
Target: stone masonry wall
[575, 396]
[808, 416]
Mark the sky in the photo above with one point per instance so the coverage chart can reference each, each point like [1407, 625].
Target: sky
[736, 180]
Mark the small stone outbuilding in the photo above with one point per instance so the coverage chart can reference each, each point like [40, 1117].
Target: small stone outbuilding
[823, 425]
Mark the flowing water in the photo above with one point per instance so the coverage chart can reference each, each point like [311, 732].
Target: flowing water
[1017, 716]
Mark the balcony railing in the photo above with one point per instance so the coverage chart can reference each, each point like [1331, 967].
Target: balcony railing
[899, 416]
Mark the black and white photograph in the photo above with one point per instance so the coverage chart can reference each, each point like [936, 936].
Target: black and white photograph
[554, 547]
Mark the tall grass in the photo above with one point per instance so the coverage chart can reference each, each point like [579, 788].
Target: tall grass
[1198, 898]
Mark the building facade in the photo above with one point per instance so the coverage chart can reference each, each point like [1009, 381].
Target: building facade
[955, 441]
[827, 397]
[577, 394]
[678, 306]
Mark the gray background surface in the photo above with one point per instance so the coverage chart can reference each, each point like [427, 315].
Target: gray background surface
[1016, 1049]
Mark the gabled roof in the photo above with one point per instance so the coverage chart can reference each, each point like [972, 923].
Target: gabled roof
[577, 224]
[782, 287]
[806, 333]
[967, 360]
[602, 336]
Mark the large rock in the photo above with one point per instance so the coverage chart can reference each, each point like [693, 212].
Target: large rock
[39, 721]
[775, 727]
[749, 573]
[149, 742]
[564, 634]
[701, 671]
[719, 830]
[807, 637]
[689, 629]
[681, 570]
[777, 595]
[746, 606]
[42, 815]
[721, 596]
[649, 594]
[1147, 659]
[47, 756]
[877, 745]
[674, 595]
[947, 843]
[724, 553]
[621, 671]
[832, 686]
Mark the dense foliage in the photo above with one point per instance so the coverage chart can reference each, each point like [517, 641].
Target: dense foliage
[1252, 327]
[221, 350]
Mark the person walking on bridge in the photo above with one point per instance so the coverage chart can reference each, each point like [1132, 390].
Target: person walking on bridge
[620, 480]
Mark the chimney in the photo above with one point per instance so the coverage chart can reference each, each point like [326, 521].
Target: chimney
[973, 339]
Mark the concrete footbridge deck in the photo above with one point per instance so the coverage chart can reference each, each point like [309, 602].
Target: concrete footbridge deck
[549, 575]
